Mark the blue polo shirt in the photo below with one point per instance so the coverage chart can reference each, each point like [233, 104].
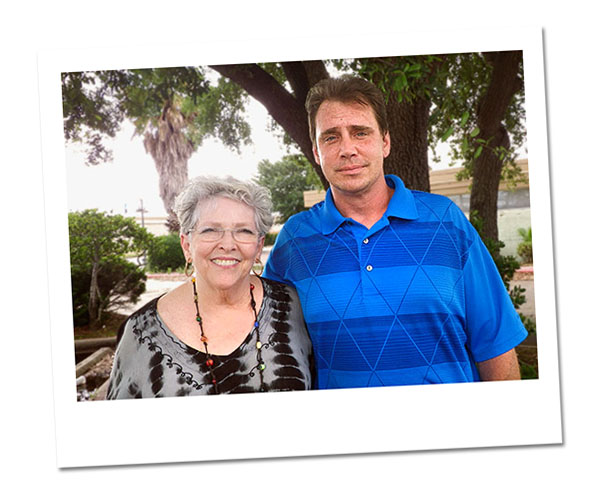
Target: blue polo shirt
[415, 299]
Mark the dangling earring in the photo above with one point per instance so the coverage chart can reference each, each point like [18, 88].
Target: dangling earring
[257, 264]
[189, 262]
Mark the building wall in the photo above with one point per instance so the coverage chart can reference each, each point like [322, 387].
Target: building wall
[155, 225]
[514, 212]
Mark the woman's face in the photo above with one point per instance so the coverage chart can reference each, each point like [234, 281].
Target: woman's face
[225, 262]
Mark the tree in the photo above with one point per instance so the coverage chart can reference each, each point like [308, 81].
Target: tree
[174, 109]
[98, 243]
[287, 179]
[480, 112]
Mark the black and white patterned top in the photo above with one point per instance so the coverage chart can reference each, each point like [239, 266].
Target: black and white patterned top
[151, 361]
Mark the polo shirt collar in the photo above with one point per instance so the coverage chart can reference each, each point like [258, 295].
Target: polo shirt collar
[401, 205]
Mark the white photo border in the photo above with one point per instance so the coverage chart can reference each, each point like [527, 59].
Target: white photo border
[311, 423]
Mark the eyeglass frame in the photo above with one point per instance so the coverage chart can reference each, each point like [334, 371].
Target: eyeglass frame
[222, 232]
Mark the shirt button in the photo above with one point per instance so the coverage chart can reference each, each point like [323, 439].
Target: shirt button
[369, 268]
[366, 241]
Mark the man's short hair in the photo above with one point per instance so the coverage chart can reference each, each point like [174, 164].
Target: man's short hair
[346, 89]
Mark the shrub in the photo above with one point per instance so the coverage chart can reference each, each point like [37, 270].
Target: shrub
[165, 253]
[119, 282]
[270, 238]
[525, 248]
[101, 278]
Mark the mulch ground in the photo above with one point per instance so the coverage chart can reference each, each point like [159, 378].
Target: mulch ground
[109, 327]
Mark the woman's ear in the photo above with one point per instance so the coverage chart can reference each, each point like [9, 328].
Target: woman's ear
[186, 245]
[260, 247]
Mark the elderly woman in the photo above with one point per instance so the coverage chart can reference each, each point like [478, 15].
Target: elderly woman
[224, 330]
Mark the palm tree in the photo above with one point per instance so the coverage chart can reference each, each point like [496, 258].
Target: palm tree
[170, 148]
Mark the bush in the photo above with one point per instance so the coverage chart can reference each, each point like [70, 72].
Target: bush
[270, 238]
[165, 253]
[119, 282]
[99, 243]
[525, 248]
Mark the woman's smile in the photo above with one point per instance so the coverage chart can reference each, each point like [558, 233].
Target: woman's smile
[225, 262]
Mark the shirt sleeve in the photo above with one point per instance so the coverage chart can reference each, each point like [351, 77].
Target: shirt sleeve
[127, 366]
[493, 325]
[278, 259]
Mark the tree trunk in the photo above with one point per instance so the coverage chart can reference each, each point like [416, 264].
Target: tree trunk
[93, 299]
[487, 169]
[170, 150]
[408, 130]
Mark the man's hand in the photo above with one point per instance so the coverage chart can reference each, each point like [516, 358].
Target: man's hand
[501, 368]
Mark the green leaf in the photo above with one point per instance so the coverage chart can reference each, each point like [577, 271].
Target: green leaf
[447, 134]
[478, 152]
[464, 118]
[475, 132]
[464, 145]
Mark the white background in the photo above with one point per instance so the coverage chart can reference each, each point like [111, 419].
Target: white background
[28, 434]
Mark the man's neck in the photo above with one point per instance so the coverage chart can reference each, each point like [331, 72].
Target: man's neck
[366, 208]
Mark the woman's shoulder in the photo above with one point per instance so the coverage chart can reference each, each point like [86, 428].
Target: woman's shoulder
[278, 290]
[146, 312]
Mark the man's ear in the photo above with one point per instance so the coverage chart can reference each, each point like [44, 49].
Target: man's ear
[386, 144]
[316, 154]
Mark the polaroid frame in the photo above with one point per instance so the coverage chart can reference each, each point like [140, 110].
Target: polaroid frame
[330, 422]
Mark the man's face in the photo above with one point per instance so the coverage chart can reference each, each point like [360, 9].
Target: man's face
[349, 146]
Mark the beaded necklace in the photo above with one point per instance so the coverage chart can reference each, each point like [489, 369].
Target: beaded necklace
[208, 358]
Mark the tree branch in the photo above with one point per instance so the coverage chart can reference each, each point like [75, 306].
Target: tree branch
[288, 112]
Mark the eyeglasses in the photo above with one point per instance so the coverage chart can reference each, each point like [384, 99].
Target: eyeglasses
[211, 234]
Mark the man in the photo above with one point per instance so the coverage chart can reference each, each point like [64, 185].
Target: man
[396, 286]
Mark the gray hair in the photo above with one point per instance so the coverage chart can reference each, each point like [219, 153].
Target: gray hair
[200, 189]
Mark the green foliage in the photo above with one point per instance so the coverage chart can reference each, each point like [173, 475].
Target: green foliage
[525, 248]
[507, 265]
[220, 113]
[165, 253]
[403, 78]
[287, 179]
[453, 118]
[123, 281]
[528, 371]
[95, 104]
[529, 323]
[270, 238]
[101, 278]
